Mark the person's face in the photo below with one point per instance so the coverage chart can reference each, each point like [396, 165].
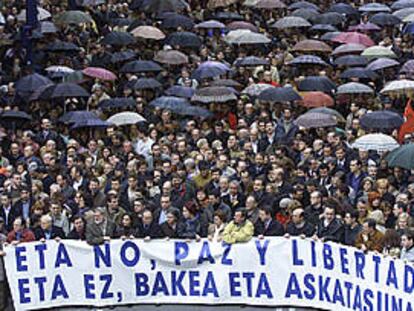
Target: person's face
[4, 200]
[14, 149]
[17, 225]
[233, 189]
[296, 217]
[405, 242]
[45, 224]
[402, 223]
[186, 213]
[348, 219]
[340, 154]
[238, 217]
[366, 228]
[79, 225]
[126, 221]
[98, 217]
[263, 216]
[250, 203]
[329, 214]
[257, 186]
[113, 204]
[165, 203]
[354, 167]
[315, 199]
[55, 209]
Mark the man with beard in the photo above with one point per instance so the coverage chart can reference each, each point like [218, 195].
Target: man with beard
[101, 229]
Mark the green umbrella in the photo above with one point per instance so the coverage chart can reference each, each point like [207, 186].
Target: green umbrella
[74, 17]
[402, 157]
[377, 51]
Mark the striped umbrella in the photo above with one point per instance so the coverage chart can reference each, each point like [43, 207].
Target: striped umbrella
[354, 88]
[308, 60]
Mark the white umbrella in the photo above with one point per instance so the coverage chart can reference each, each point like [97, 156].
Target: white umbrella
[126, 118]
[354, 88]
[244, 36]
[378, 142]
[42, 14]
[256, 89]
[398, 86]
[2, 19]
[409, 18]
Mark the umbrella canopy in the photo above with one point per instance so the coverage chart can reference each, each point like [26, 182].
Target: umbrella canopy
[308, 60]
[382, 63]
[242, 25]
[312, 46]
[291, 22]
[328, 111]
[358, 72]
[316, 120]
[141, 66]
[354, 37]
[351, 60]
[279, 94]
[63, 90]
[59, 71]
[256, 89]
[401, 14]
[385, 19]
[159, 6]
[180, 91]
[323, 28]
[408, 67]
[61, 46]
[47, 27]
[377, 51]
[14, 119]
[402, 4]
[316, 99]
[184, 39]
[374, 7]
[119, 57]
[317, 83]
[380, 120]
[226, 82]
[228, 15]
[146, 84]
[354, 88]
[31, 83]
[303, 5]
[176, 20]
[72, 117]
[90, 123]
[343, 8]
[210, 69]
[195, 111]
[213, 94]
[74, 17]
[118, 38]
[42, 15]
[214, 4]
[331, 18]
[245, 37]
[377, 142]
[409, 18]
[307, 14]
[350, 48]
[170, 103]
[125, 118]
[99, 73]
[148, 32]
[398, 87]
[210, 24]
[251, 61]
[117, 102]
[364, 27]
[402, 157]
[270, 4]
[171, 57]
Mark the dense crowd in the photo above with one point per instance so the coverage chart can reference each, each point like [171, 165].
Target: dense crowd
[246, 158]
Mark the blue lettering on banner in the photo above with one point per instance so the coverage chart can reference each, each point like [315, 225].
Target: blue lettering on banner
[104, 256]
[328, 262]
[323, 289]
[263, 289]
[205, 254]
[368, 296]
[89, 286]
[344, 260]
[234, 284]
[338, 294]
[392, 275]
[296, 260]
[136, 254]
[40, 281]
[107, 280]
[348, 286]
[293, 287]
[177, 278]
[194, 283]
[40, 248]
[159, 285]
[62, 256]
[21, 258]
[309, 281]
[141, 284]
[249, 276]
[359, 264]
[357, 299]
[262, 249]
[59, 288]
[24, 291]
[181, 252]
[313, 253]
[408, 279]
[377, 261]
[226, 261]
[210, 286]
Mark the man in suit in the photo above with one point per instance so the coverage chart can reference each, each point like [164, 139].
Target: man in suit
[101, 229]
[148, 228]
[8, 211]
[234, 198]
[330, 228]
[267, 226]
[46, 231]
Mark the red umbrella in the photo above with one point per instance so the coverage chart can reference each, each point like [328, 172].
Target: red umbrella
[99, 73]
[316, 99]
[354, 37]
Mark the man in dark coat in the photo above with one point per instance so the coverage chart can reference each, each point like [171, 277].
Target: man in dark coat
[299, 226]
[8, 211]
[329, 227]
[267, 226]
[46, 231]
[148, 228]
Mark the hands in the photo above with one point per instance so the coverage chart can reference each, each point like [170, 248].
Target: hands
[106, 238]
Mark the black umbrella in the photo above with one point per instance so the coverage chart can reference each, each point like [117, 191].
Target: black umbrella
[229, 15]
[379, 120]
[331, 18]
[385, 19]
[251, 61]
[180, 91]
[14, 119]
[118, 38]
[73, 117]
[63, 90]
[61, 46]
[303, 5]
[184, 39]
[307, 14]
[358, 72]
[90, 123]
[176, 20]
[195, 111]
[120, 57]
[170, 102]
[31, 83]
[316, 120]
[141, 66]
[351, 60]
[117, 102]
[343, 8]
[157, 6]
[308, 60]
[323, 28]
[226, 82]
[279, 94]
[317, 83]
[147, 84]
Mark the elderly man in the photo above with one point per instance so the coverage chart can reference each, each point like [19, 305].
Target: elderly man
[101, 229]
[238, 230]
[46, 230]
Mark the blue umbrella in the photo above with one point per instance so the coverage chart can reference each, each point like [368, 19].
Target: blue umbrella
[117, 102]
[176, 20]
[73, 117]
[119, 57]
[62, 90]
[210, 24]
[358, 72]
[323, 27]
[195, 111]
[184, 39]
[382, 63]
[90, 123]
[118, 38]
[308, 60]
[343, 8]
[210, 69]
[146, 84]
[402, 4]
[279, 94]
[374, 7]
[379, 120]
[172, 103]
[180, 91]
[317, 83]
[351, 60]
[303, 5]
[31, 83]
[385, 19]
[251, 61]
[141, 66]
[331, 18]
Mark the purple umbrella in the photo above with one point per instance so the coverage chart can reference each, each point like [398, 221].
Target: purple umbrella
[408, 67]
[364, 27]
[210, 69]
[211, 24]
[382, 63]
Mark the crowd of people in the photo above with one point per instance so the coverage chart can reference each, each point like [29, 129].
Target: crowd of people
[227, 168]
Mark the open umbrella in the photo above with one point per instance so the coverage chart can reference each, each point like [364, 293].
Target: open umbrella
[380, 120]
[323, 28]
[351, 48]
[31, 83]
[210, 69]
[354, 88]
[317, 83]
[291, 22]
[270, 4]
[377, 51]
[242, 25]
[245, 37]
[251, 61]
[351, 60]
[364, 27]
[148, 32]
[408, 67]
[316, 120]
[118, 38]
[331, 18]
[213, 94]
[63, 90]
[256, 89]
[303, 5]
[195, 111]
[146, 84]
[316, 99]
[140, 66]
[73, 117]
[332, 112]
[382, 63]
[210, 24]
[307, 14]
[385, 19]
[401, 14]
[59, 71]
[73, 17]
[358, 72]
[214, 4]
[61, 46]
[99, 73]
[328, 36]
[377, 142]
[312, 46]
[398, 87]
[171, 57]
[228, 15]
[279, 94]
[402, 157]
[409, 18]
[354, 37]
[374, 7]
[119, 57]
[125, 118]
[226, 82]
[117, 102]
[42, 15]
[184, 39]
[14, 119]
[176, 20]
[47, 27]
[90, 123]
[308, 60]
[170, 103]
[343, 8]
[180, 91]
[402, 4]
[159, 6]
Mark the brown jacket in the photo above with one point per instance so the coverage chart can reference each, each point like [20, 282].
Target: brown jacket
[373, 243]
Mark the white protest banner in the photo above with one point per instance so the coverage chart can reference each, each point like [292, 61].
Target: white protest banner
[272, 272]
